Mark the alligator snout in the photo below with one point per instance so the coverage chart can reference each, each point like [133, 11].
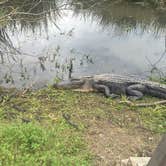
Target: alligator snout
[73, 84]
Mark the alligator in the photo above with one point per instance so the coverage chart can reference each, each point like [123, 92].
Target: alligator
[113, 85]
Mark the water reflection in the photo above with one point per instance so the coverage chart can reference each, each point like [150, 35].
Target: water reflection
[124, 17]
[29, 14]
[43, 41]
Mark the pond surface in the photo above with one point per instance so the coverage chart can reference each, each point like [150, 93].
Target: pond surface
[90, 38]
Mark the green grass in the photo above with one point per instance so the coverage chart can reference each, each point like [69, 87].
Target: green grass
[48, 105]
[32, 144]
[33, 130]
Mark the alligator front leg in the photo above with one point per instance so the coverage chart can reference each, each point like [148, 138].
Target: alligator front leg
[135, 91]
[104, 89]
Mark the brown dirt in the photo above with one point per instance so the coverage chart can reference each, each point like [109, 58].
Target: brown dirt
[111, 144]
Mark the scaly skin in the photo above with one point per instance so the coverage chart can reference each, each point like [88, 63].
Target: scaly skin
[112, 85]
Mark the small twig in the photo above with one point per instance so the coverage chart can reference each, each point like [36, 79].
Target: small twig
[150, 104]
[3, 2]
[127, 102]
[34, 6]
[143, 104]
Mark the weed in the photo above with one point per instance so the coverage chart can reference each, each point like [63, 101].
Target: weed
[31, 144]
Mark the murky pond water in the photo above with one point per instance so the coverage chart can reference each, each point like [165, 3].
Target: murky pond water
[95, 38]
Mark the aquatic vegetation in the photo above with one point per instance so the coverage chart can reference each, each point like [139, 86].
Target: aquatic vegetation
[30, 11]
[152, 3]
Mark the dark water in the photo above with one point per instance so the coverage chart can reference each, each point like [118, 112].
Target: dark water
[95, 37]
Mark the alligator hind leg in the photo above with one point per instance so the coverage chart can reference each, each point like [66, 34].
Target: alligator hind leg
[135, 91]
[105, 89]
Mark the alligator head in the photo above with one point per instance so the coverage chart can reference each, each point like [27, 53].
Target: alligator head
[84, 83]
